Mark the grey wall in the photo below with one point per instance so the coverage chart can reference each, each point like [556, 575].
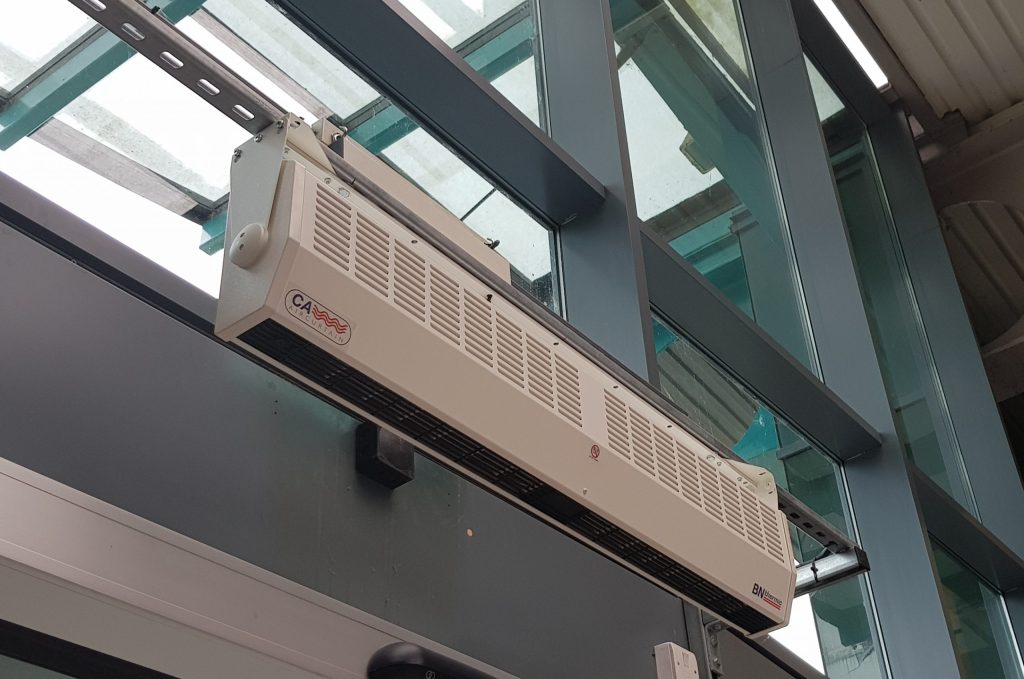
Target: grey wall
[108, 395]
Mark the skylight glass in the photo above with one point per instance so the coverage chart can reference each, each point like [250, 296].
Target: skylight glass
[853, 43]
[27, 42]
[298, 56]
[144, 114]
[158, 234]
[454, 21]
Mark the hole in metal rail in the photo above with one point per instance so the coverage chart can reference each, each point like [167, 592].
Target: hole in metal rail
[171, 60]
[96, 5]
[242, 112]
[132, 32]
[208, 87]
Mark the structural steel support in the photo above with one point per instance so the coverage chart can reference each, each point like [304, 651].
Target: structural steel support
[602, 262]
[405, 61]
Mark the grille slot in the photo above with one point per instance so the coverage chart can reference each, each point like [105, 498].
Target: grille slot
[618, 425]
[689, 483]
[332, 228]
[710, 492]
[539, 378]
[731, 500]
[665, 453]
[752, 517]
[567, 384]
[321, 368]
[444, 306]
[373, 256]
[410, 282]
[640, 438]
[510, 351]
[479, 330]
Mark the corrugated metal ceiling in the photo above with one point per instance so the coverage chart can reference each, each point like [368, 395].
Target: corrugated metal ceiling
[965, 55]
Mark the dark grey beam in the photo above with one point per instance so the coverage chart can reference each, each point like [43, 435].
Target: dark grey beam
[406, 62]
[690, 303]
[965, 536]
[602, 262]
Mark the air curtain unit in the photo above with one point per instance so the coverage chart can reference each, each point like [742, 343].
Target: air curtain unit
[324, 283]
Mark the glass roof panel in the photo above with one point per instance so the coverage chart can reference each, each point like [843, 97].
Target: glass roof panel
[455, 21]
[300, 57]
[27, 43]
[158, 234]
[144, 114]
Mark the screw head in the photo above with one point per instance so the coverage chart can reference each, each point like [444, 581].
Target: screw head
[258, 138]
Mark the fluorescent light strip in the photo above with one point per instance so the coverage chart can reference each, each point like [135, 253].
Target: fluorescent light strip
[852, 42]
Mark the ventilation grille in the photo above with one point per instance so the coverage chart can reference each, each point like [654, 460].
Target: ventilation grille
[332, 228]
[700, 481]
[463, 453]
[394, 270]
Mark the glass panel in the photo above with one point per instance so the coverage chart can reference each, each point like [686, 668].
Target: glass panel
[733, 417]
[701, 173]
[27, 43]
[166, 238]
[977, 620]
[833, 630]
[456, 21]
[496, 37]
[908, 369]
[849, 640]
[169, 130]
[19, 669]
[801, 636]
[263, 28]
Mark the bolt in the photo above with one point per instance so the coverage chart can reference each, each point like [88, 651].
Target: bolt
[327, 180]
[258, 138]
[713, 640]
[280, 124]
[236, 155]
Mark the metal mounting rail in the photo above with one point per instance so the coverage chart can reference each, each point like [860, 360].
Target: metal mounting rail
[164, 44]
[151, 35]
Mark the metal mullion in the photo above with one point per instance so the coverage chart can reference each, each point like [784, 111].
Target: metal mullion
[906, 597]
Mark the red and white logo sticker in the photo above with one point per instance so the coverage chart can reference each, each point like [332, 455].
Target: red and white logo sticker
[317, 316]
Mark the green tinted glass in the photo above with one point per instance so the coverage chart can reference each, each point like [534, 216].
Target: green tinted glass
[978, 624]
[701, 175]
[908, 370]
